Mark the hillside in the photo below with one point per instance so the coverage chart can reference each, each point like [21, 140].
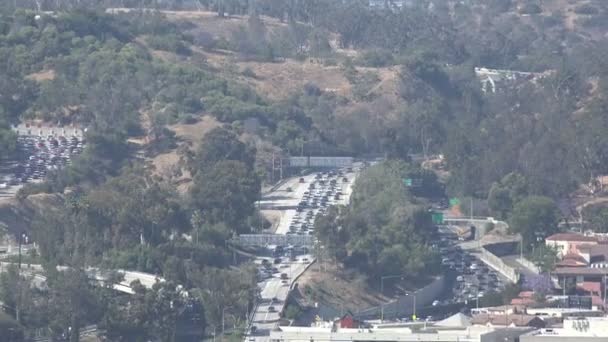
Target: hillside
[18, 215]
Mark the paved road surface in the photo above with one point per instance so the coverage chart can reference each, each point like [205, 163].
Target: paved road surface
[274, 291]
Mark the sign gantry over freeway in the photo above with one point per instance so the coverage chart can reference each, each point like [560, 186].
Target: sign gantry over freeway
[274, 239]
[333, 162]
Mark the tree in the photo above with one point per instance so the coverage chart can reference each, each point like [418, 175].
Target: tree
[596, 217]
[73, 302]
[535, 218]
[385, 231]
[221, 144]
[491, 298]
[226, 192]
[511, 189]
[545, 258]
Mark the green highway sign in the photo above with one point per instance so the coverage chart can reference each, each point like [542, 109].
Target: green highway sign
[437, 217]
[407, 182]
[454, 201]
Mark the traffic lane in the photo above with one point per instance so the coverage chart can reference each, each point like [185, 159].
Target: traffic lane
[290, 190]
[288, 195]
[275, 295]
[277, 287]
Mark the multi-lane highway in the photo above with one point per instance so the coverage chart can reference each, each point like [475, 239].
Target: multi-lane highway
[298, 200]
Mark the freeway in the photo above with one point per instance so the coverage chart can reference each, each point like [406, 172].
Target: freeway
[297, 200]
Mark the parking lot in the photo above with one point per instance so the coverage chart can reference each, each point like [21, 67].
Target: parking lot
[472, 278]
[37, 155]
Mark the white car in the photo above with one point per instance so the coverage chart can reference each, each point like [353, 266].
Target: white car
[474, 267]
[435, 302]
[3, 185]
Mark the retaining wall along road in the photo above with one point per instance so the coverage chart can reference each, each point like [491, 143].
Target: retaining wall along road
[404, 305]
[497, 264]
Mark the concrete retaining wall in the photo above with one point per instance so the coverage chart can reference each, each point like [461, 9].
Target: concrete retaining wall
[404, 306]
[497, 264]
[529, 265]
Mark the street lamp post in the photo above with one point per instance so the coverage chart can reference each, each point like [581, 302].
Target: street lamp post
[223, 320]
[414, 304]
[382, 292]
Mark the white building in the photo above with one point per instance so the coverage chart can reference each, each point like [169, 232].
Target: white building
[588, 329]
[417, 332]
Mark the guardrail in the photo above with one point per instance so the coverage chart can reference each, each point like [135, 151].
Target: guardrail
[496, 263]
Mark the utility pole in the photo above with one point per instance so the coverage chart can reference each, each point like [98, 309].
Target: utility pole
[272, 168]
[471, 209]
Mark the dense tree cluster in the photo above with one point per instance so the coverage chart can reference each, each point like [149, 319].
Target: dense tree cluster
[533, 141]
[386, 229]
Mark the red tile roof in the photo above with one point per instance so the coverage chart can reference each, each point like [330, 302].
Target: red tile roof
[570, 263]
[590, 286]
[580, 271]
[574, 256]
[597, 301]
[571, 237]
[522, 301]
[504, 320]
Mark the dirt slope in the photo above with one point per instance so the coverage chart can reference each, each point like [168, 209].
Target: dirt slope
[17, 215]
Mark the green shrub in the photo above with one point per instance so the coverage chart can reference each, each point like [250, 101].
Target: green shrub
[530, 9]
[587, 9]
[248, 72]
[376, 58]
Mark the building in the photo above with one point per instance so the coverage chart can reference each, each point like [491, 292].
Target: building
[349, 322]
[517, 320]
[568, 243]
[416, 332]
[583, 264]
[588, 329]
[525, 298]
[562, 313]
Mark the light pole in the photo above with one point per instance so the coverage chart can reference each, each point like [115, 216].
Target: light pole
[223, 314]
[382, 292]
[413, 294]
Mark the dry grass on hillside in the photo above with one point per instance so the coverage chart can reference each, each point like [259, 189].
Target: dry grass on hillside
[44, 75]
[338, 288]
[193, 133]
[169, 164]
[278, 80]
[216, 26]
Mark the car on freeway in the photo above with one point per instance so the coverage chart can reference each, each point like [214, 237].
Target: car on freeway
[272, 309]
